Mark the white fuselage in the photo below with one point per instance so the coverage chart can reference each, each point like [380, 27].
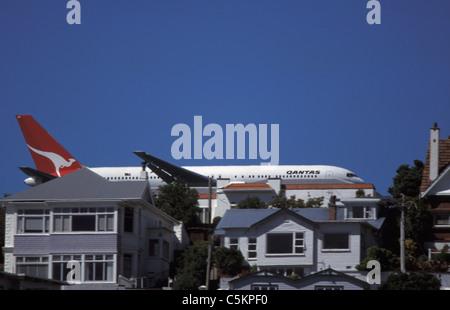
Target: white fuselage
[247, 174]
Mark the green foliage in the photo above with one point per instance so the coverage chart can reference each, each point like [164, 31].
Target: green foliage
[281, 202]
[314, 202]
[192, 271]
[180, 202]
[411, 281]
[387, 260]
[407, 181]
[229, 261]
[251, 202]
[418, 221]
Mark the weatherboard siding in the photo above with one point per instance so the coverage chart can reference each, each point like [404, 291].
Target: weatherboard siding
[65, 243]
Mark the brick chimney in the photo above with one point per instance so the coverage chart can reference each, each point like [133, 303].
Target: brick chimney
[434, 152]
[332, 209]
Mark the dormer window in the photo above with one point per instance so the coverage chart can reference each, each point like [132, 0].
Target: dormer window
[360, 212]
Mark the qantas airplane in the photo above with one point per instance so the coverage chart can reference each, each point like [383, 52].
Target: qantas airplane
[53, 161]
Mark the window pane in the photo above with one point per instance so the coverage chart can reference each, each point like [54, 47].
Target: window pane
[128, 221]
[110, 222]
[101, 223]
[153, 247]
[58, 223]
[358, 212]
[279, 243]
[83, 222]
[335, 241]
[33, 224]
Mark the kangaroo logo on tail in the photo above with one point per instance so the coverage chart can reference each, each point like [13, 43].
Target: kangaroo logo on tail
[57, 160]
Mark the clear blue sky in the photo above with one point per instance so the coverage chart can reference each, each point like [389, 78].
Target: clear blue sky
[343, 92]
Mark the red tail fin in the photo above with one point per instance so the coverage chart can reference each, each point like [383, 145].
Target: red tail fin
[48, 155]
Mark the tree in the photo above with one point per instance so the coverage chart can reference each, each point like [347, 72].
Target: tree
[229, 261]
[251, 202]
[407, 181]
[281, 202]
[411, 281]
[180, 202]
[191, 272]
[387, 259]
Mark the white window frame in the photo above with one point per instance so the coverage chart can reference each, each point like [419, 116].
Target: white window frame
[33, 260]
[368, 212]
[27, 214]
[251, 248]
[294, 246]
[441, 214]
[106, 214]
[336, 249]
[234, 243]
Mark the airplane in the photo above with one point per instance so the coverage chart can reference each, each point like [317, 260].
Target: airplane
[53, 160]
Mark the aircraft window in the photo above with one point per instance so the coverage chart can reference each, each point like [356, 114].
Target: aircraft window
[351, 175]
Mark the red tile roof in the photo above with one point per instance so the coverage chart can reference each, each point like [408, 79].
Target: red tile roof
[243, 186]
[444, 161]
[206, 196]
[330, 186]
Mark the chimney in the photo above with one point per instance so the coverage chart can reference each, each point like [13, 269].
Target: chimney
[434, 152]
[144, 175]
[332, 209]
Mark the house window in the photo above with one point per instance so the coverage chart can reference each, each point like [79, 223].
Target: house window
[153, 247]
[127, 265]
[83, 219]
[59, 266]
[128, 219]
[83, 222]
[328, 288]
[441, 219]
[299, 243]
[285, 243]
[264, 287]
[166, 250]
[99, 267]
[251, 251]
[234, 243]
[335, 241]
[279, 243]
[33, 221]
[33, 266]
[360, 212]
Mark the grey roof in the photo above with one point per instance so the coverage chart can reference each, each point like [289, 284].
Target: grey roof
[245, 218]
[82, 185]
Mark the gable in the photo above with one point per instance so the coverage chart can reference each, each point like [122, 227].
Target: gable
[283, 220]
[441, 186]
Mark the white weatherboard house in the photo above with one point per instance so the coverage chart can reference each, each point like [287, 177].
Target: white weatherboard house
[110, 228]
[306, 240]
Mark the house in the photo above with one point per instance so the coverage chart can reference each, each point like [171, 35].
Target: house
[110, 229]
[435, 188]
[306, 240]
[327, 279]
[228, 195]
[11, 281]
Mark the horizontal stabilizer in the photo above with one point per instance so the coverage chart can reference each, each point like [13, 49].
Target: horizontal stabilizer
[37, 174]
[170, 173]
